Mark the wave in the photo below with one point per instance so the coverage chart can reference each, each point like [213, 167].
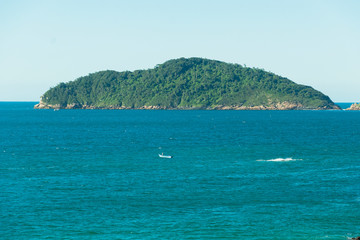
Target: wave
[279, 160]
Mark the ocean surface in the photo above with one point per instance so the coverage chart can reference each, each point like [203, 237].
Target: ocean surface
[96, 174]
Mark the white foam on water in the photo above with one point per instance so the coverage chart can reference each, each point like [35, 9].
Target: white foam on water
[279, 160]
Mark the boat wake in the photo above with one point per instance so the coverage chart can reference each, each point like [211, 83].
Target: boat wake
[164, 156]
[279, 160]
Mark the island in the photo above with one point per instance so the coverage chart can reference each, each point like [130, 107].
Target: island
[186, 83]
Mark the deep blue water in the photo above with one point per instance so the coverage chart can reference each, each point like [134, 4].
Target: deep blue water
[96, 174]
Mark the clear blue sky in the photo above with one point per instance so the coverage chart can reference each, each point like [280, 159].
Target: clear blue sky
[312, 42]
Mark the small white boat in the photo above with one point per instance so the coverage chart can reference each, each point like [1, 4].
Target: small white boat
[164, 156]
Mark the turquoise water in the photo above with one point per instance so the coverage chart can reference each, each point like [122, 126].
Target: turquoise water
[96, 174]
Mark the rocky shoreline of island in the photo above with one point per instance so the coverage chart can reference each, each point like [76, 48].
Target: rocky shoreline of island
[274, 106]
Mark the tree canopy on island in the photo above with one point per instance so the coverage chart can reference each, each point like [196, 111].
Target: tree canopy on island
[193, 83]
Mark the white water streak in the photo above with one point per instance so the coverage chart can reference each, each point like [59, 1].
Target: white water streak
[279, 160]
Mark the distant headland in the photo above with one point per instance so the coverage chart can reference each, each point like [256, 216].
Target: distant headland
[186, 83]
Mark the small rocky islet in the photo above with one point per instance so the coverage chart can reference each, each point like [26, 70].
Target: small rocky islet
[186, 83]
[354, 106]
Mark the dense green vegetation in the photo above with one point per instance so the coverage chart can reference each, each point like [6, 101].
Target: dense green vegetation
[185, 83]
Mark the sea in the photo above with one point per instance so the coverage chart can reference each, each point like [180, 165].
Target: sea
[97, 174]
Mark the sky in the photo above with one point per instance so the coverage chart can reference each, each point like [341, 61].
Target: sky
[311, 42]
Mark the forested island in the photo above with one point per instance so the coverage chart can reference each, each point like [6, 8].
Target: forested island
[185, 83]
